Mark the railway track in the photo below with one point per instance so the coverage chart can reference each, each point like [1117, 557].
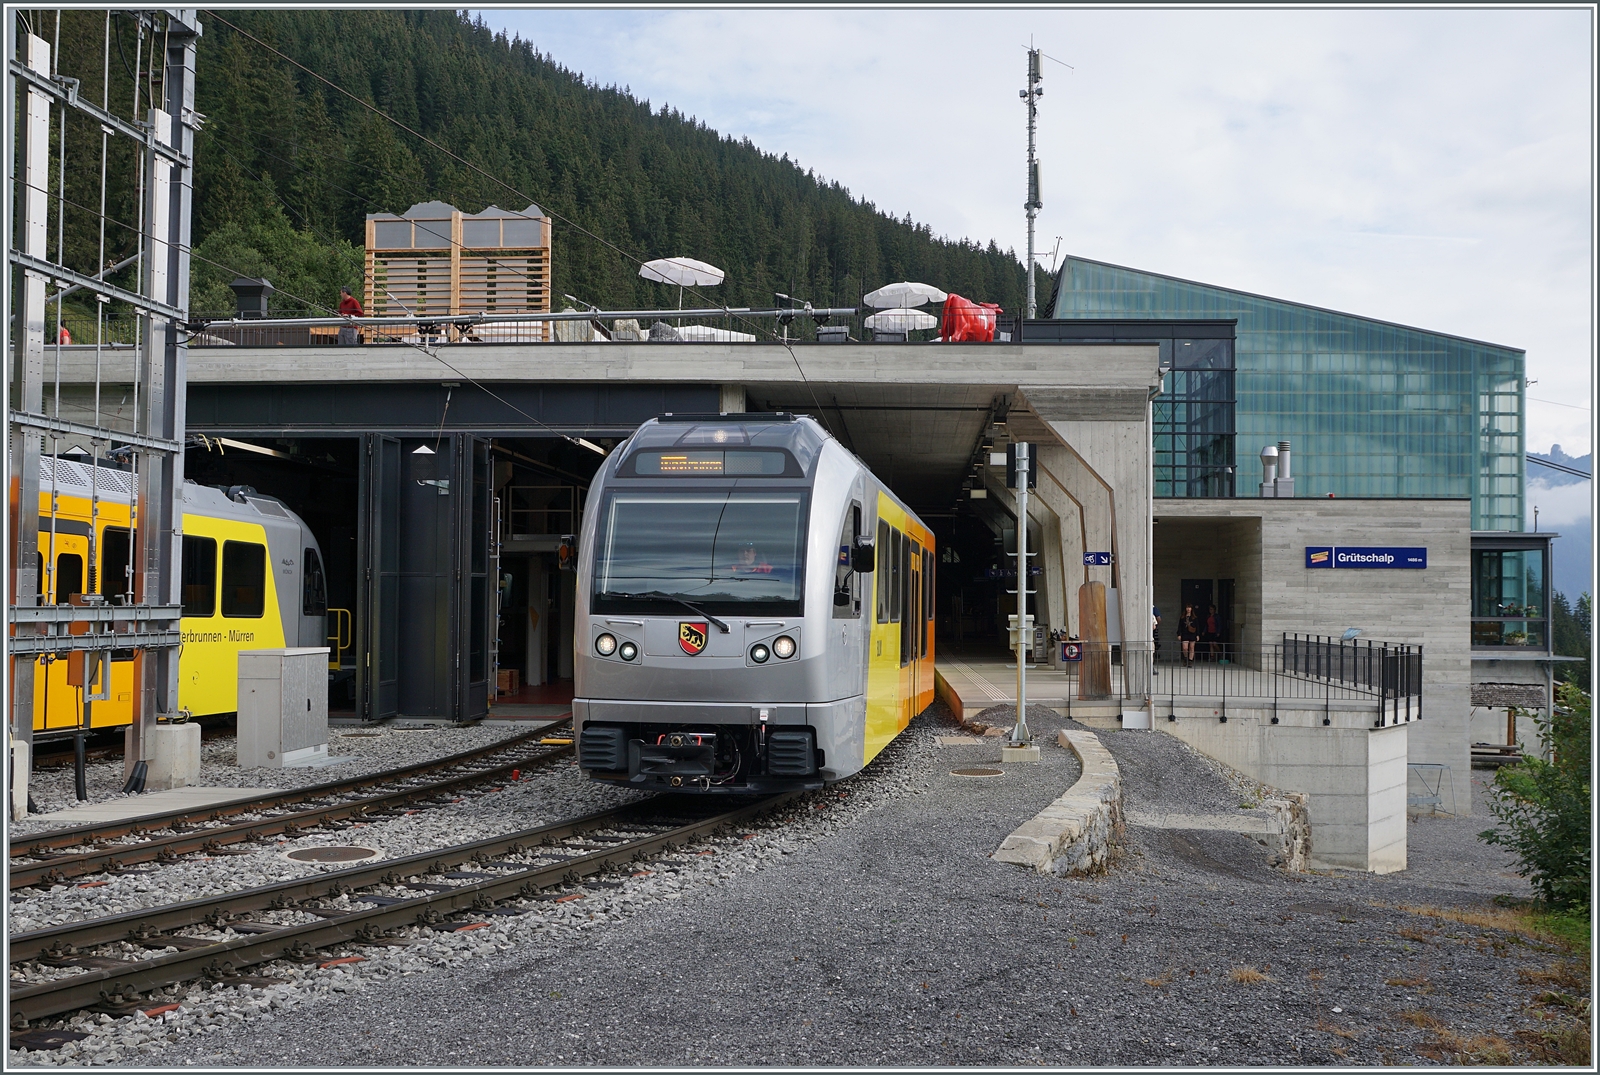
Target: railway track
[41, 862]
[358, 905]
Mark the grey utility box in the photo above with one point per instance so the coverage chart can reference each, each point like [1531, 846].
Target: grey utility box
[283, 707]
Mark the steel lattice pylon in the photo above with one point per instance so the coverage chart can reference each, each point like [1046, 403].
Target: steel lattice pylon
[145, 617]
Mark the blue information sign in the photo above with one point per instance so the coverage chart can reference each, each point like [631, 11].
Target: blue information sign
[1096, 559]
[1367, 556]
[1071, 651]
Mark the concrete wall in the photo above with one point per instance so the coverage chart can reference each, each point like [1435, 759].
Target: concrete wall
[1353, 773]
[1430, 608]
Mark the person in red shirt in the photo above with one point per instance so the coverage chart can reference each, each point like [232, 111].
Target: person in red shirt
[63, 337]
[349, 306]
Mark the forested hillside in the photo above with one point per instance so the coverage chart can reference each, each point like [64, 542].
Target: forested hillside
[287, 169]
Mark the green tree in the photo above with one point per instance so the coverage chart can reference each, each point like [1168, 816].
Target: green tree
[1543, 806]
[1570, 637]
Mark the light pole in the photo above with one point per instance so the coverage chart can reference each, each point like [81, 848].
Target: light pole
[1031, 95]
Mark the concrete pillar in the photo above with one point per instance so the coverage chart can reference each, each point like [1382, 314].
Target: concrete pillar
[1105, 462]
[732, 400]
[1069, 532]
[173, 752]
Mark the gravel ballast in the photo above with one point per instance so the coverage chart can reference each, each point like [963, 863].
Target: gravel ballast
[866, 924]
[358, 750]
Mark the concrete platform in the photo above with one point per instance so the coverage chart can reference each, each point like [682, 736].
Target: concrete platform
[969, 684]
[153, 802]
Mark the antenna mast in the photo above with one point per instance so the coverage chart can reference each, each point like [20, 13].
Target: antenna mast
[1031, 95]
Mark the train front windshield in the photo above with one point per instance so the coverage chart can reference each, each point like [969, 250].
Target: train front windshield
[726, 551]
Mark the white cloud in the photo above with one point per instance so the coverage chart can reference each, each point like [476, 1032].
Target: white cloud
[1431, 167]
[1559, 505]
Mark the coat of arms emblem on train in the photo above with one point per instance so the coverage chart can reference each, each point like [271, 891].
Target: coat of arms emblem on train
[692, 637]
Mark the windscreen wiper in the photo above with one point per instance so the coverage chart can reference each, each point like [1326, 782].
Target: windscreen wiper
[657, 595]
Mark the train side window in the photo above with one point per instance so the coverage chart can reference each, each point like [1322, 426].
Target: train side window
[69, 576]
[116, 553]
[846, 584]
[314, 595]
[897, 576]
[244, 579]
[199, 576]
[882, 571]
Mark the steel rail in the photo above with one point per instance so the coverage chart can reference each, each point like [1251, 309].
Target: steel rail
[39, 842]
[211, 909]
[225, 958]
[63, 868]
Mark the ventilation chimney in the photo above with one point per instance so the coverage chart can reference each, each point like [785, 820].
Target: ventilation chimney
[1285, 478]
[1269, 471]
[250, 295]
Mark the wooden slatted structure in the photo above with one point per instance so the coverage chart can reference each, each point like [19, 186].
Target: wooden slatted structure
[435, 261]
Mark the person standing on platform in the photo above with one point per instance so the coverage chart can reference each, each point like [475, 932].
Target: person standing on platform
[1188, 634]
[349, 306]
[1212, 634]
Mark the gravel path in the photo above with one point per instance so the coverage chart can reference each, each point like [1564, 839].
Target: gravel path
[868, 926]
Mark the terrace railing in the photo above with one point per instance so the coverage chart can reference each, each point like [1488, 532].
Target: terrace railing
[1298, 672]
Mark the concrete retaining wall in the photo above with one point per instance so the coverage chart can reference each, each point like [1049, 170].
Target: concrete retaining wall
[1353, 775]
[1074, 834]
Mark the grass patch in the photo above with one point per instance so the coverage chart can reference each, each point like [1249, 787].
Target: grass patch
[1247, 976]
[1568, 974]
[1565, 931]
[1567, 1044]
[1343, 1032]
[1161, 981]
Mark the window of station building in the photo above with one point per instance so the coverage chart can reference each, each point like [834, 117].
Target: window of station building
[1509, 597]
[69, 576]
[244, 579]
[116, 555]
[314, 587]
[199, 576]
[1193, 421]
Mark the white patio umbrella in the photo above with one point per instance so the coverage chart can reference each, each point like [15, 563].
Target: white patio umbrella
[901, 320]
[685, 272]
[904, 293]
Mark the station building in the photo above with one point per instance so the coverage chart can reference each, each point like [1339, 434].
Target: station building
[442, 471]
[1379, 413]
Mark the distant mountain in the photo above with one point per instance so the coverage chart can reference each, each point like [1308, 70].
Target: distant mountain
[1551, 476]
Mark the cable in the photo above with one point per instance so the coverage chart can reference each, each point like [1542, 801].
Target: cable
[1553, 403]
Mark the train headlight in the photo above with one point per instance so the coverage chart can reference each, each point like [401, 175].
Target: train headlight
[759, 653]
[605, 645]
[783, 646]
[627, 651]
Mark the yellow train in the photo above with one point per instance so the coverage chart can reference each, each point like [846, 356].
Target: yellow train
[252, 578]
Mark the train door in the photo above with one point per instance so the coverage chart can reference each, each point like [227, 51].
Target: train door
[914, 623]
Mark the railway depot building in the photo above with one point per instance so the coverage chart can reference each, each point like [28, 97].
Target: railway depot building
[445, 472]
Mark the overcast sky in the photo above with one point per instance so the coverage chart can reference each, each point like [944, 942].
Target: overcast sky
[1431, 167]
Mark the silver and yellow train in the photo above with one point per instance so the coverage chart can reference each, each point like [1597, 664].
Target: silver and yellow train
[755, 609]
[252, 578]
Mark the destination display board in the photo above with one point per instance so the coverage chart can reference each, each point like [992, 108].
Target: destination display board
[1367, 556]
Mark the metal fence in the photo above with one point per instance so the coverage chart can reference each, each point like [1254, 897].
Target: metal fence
[1299, 672]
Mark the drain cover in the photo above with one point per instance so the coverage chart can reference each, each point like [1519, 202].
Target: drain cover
[332, 854]
[977, 772]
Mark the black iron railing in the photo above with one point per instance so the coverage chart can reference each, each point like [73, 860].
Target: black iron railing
[1300, 671]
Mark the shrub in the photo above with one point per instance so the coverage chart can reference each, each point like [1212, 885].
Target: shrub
[1543, 806]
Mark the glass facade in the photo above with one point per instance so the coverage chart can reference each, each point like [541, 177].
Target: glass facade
[1372, 409]
[1193, 420]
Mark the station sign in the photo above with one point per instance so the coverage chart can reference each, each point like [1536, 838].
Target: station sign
[1096, 559]
[1367, 556]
